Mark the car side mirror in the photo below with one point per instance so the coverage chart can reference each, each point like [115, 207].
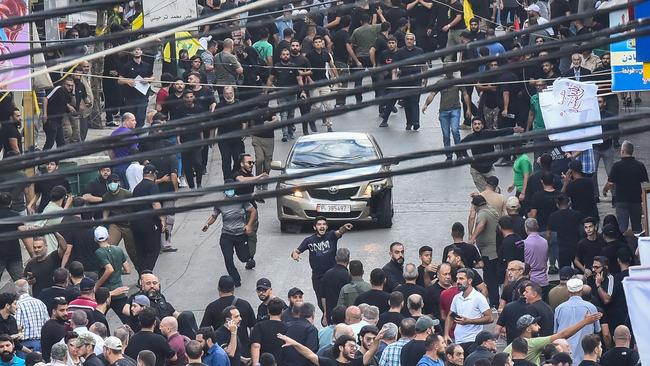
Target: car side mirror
[277, 165]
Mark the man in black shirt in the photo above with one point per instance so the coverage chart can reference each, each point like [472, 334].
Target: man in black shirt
[10, 252]
[394, 314]
[303, 331]
[264, 337]
[471, 255]
[146, 231]
[192, 163]
[589, 246]
[86, 349]
[55, 106]
[564, 224]
[512, 245]
[626, 177]
[8, 324]
[319, 58]
[580, 189]
[39, 269]
[341, 54]
[265, 294]
[519, 352]
[413, 351]
[146, 339]
[393, 270]
[376, 295]
[82, 241]
[227, 334]
[283, 75]
[96, 188]
[304, 70]
[322, 248]
[432, 293]
[621, 354]
[483, 169]
[136, 71]
[54, 329]
[593, 349]
[612, 246]
[543, 203]
[43, 188]
[230, 148]
[409, 287]
[11, 138]
[333, 281]
[538, 308]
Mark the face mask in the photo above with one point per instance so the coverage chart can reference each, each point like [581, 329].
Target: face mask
[229, 192]
[461, 288]
[113, 186]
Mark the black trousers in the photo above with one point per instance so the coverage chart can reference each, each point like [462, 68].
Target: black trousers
[319, 290]
[491, 278]
[230, 150]
[192, 164]
[113, 98]
[231, 244]
[53, 133]
[305, 109]
[147, 244]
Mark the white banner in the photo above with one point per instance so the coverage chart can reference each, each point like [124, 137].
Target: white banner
[571, 103]
[637, 294]
[163, 12]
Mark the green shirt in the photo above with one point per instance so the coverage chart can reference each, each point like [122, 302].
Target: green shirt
[50, 238]
[449, 96]
[364, 37]
[535, 348]
[538, 122]
[521, 167]
[114, 256]
[264, 48]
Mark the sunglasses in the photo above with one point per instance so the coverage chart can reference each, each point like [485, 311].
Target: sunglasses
[250, 163]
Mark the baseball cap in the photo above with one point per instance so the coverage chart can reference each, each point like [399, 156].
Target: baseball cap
[478, 200]
[101, 234]
[86, 284]
[533, 7]
[566, 273]
[226, 283]
[149, 168]
[113, 343]
[142, 300]
[512, 203]
[84, 339]
[295, 291]
[425, 322]
[113, 178]
[574, 285]
[492, 181]
[263, 284]
[526, 320]
[484, 336]
[610, 230]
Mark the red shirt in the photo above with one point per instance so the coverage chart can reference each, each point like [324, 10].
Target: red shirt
[446, 297]
[161, 96]
[177, 343]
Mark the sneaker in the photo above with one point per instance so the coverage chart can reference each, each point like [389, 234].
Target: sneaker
[112, 124]
[250, 264]
[383, 124]
[182, 182]
[408, 127]
[168, 249]
[552, 270]
[284, 139]
[416, 127]
[329, 129]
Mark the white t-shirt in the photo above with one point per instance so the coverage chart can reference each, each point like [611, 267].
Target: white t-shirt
[472, 307]
[134, 174]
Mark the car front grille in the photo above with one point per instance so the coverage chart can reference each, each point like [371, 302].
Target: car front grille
[340, 194]
[334, 215]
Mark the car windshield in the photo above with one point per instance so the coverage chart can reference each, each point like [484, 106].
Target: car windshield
[322, 153]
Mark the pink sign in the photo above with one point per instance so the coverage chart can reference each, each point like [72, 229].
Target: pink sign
[14, 39]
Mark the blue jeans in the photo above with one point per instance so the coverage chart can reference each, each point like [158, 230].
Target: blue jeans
[287, 114]
[33, 344]
[450, 120]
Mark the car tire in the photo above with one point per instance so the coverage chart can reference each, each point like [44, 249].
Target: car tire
[385, 217]
[283, 226]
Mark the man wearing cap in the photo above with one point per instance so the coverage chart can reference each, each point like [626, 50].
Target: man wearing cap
[119, 230]
[86, 348]
[322, 248]
[485, 349]
[138, 303]
[295, 297]
[114, 264]
[113, 353]
[413, 351]
[213, 315]
[86, 299]
[560, 293]
[265, 294]
[529, 328]
[513, 206]
[484, 236]
[572, 311]
[146, 231]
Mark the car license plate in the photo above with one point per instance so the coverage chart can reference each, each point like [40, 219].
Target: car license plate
[332, 208]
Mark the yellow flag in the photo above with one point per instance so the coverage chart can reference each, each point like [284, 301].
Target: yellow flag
[192, 46]
[468, 13]
[138, 22]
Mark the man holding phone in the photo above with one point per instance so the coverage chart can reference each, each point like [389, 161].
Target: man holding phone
[469, 311]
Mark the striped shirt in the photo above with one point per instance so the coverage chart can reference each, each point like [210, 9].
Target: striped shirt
[392, 353]
[31, 315]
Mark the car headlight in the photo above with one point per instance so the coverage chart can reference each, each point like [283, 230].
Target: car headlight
[374, 187]
[296, 192]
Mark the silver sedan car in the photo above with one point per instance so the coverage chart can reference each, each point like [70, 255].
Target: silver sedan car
[369, 201]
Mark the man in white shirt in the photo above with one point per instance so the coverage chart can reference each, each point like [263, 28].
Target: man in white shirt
[134, 174]
[469, 310]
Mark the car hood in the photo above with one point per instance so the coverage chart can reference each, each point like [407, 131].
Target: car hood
[331, 176]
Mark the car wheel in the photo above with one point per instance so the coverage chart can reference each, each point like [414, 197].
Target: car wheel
[283, 226]
[385, 218]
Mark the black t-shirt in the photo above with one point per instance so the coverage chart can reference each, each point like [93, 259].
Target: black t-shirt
[588, 363]
[230, 127]
[146, 187]
[324, 361]
[620, 356]
[456, 8]
[51, 333]
[381, 45]
[588, 249]
[523, 362]
[421, 17]
[408, 289]
[377, 298]
[213, 316]
[187, 111]
[45, 186]
[512, 248]
[406, 70]
[93, 360]
[97, 188]
[223, 339]
[10, 131]
[57, 101]
[340, 40]
[432, 299]
[322, 250]
[386, 57]
[543, 310]
[333, 281]
[263, 117]
[628, 174]
[166, 165]
[390, 317]
[153, 342]
[509, 316]
[43, 271]
[566, 223]
[412, 352]
[609, 251]
[535, 185]
[393, 15]
[421, 273]
[285, 74]
[581, 192]
[131, 70]
[244, 190]
[471, 255]
[83, 245]
[10, 248]
[507, 85]
[318, 62]
[263, 311]
[47, 295]
[265, 333]
[544, 203]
